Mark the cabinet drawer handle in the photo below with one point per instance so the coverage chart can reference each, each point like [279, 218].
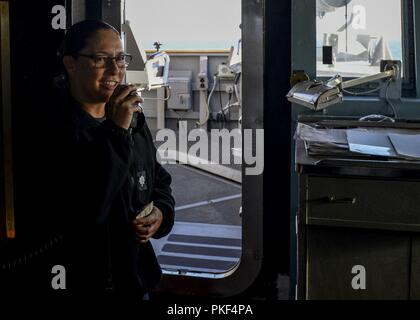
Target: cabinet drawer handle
[334, 200]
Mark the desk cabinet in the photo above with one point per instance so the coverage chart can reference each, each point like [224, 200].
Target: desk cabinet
[358, 216]
[415, 269]
[352, 202]
[332, 254]
[349, 221]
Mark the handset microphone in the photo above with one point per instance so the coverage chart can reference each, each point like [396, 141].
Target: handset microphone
[133, 123]
[139, 106]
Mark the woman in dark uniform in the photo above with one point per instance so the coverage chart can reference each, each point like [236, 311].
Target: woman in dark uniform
[101, 172]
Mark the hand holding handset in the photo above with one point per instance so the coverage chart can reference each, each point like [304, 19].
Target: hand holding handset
[123, 104]
[135, 92]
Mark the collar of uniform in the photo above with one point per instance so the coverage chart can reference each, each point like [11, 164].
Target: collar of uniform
[80, 118]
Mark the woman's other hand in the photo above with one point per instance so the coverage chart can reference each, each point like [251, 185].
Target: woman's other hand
[146, 227]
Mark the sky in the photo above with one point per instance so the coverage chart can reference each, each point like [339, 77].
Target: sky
[185, 24]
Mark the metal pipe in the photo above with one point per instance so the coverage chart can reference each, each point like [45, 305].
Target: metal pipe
[160, 108]
[385, 74]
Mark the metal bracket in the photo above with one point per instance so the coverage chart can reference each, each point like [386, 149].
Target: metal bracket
[393, 89]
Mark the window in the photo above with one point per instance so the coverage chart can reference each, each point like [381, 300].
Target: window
[360, 35]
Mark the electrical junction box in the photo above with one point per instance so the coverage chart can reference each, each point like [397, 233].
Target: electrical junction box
[181, 93]
[225, 72]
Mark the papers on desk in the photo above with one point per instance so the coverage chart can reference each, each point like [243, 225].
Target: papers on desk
[361, 142]
[369, 142]
[321, 141]
[406, 145]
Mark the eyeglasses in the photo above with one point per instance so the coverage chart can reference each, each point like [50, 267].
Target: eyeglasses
[101, 61]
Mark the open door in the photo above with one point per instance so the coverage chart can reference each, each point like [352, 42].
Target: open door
[7, 219]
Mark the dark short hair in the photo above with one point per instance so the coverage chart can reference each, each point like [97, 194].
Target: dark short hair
[77, 35]
[74, 41]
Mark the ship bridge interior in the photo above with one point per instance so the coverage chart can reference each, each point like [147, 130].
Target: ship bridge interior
[290, 130]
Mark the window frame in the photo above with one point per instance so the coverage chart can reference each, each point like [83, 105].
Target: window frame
[7, 213]
[238, 279]
[408, 55]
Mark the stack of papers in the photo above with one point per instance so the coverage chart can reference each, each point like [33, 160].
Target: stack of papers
[321, 141]
[407, 146]
[361, 142]
[390, 143]
[370, 142]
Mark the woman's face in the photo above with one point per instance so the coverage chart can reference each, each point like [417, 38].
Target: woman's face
[89, 83]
